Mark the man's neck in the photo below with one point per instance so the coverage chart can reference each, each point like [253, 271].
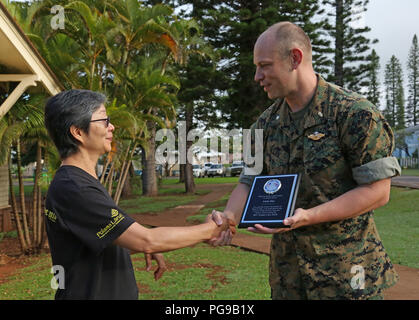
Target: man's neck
[82, 161]
[302, 96]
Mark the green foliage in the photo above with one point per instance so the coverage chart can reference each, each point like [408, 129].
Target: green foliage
[394, 110]
[412, 109]
[232, 28]
[10, 234]
[373, 94]
[352, 45]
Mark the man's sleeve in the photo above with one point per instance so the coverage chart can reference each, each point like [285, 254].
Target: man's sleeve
[368, 144]
[95, 219]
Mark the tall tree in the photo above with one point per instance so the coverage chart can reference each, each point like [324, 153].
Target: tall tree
[232, 28]
[413, 85]
[394, 110]
[373, 93]
[351, 43]
[304, 13]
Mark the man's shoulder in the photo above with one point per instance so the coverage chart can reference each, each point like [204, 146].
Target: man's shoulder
[267, 115]
[349, 103]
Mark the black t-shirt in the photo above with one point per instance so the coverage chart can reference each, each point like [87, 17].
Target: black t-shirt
[82, 221]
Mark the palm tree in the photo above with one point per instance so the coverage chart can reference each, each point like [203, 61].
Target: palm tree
[137, 79]
[143, 90]
[20, 120]
[190, 43]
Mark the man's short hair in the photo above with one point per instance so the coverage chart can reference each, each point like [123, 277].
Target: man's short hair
[289, 35]
[68, 108]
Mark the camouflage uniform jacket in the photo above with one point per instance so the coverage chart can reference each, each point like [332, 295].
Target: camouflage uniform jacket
[315, 262]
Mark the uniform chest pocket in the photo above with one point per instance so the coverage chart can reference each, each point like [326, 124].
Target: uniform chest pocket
[321, 148]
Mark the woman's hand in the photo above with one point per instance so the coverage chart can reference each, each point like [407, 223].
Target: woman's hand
[161, 264]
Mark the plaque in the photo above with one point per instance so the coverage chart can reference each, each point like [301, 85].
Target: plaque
[270, 201]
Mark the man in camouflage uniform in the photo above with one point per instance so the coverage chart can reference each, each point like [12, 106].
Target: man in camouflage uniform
[341, 145]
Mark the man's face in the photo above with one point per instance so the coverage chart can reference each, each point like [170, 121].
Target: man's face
[272, 71]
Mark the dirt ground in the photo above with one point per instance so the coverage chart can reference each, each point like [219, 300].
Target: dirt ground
[10, 259]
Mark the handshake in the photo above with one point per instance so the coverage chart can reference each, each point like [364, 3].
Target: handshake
[224, 231]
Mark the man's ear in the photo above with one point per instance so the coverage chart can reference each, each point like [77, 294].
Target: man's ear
[77, 133]
[296, 57]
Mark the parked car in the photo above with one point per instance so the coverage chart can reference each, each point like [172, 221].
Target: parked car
[216, 170]
[206, 167]
[236, 168]
[198, 172]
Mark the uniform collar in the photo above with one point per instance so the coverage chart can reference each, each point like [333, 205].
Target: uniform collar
[317, 110]
[316, 114]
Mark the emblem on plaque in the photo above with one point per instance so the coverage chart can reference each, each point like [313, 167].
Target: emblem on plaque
[272, 186]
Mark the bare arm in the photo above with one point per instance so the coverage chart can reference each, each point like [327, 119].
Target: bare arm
[140, 239]
[349, 205]
[236, 202]
[232, 211]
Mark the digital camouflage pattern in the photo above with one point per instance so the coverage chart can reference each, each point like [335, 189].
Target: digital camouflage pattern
[342, 141]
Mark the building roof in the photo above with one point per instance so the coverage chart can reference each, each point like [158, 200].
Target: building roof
[21, 62]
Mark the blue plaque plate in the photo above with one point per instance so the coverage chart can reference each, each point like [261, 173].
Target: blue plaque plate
[270, 201]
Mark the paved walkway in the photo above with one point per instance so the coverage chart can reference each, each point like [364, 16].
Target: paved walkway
[406, 181]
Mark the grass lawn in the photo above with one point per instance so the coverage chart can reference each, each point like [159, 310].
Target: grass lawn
[410, 172]
[215, 180]
[204, 272]
[398, 225]
[167, 198]
[200, 272]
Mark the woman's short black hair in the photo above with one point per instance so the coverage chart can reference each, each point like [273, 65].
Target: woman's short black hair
[68, 108]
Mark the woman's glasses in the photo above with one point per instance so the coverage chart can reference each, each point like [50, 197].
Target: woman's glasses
[108, 120]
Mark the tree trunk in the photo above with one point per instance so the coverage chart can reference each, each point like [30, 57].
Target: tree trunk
[106, 184]
[110, 180]
[22, 196]
[339, 44]
[121, 175]
[127, 188]
[182, 173]
[23, 243]
[189, 179]
[105, 167]
[38, 231]
[35, 198]
[149, 164]
[124, 174]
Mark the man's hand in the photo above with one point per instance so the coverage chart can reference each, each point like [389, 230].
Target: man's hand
[299, 219]
[160, 263]
[226, 236]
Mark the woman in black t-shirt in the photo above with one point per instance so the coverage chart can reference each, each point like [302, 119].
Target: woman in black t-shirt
[89, 235]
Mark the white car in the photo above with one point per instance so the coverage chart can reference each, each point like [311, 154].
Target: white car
[198, 172]
[216, 170]
[236, 168]
[206, 167]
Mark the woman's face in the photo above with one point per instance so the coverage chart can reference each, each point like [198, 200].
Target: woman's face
[99, 139]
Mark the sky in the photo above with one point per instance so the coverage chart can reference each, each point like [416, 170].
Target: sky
[393, 23]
